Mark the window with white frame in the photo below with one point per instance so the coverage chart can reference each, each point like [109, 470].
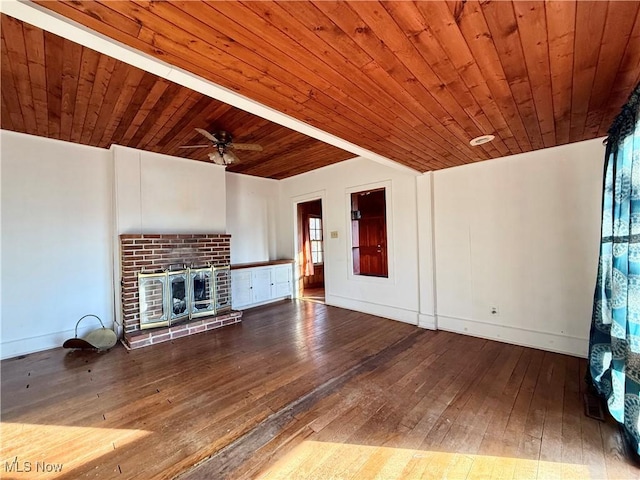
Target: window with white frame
[315, 236]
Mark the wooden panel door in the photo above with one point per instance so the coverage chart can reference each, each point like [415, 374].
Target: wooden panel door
[369, 233]
[373, 247]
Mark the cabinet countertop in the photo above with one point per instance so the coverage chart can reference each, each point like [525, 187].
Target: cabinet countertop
[237, 266]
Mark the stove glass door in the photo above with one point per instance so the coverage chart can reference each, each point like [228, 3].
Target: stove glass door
[151, 292]
[202, 292]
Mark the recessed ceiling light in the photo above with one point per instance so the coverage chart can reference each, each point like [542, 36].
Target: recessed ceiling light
[481, 140]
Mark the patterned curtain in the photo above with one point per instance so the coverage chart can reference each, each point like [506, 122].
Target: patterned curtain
[614, 344]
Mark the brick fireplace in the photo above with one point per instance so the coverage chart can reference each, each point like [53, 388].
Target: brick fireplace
[157, 253]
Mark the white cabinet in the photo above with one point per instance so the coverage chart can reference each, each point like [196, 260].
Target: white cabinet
[241, 291]
[257, 285]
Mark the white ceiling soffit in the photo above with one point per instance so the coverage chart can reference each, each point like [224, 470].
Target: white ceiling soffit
[57, 24]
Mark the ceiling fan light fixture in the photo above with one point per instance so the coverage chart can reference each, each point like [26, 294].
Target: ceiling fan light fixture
[216, 158]
[223, 143]
[223, 157]
[229, 157]
[481, 140]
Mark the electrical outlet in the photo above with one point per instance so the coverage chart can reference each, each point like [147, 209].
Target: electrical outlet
[494, 311]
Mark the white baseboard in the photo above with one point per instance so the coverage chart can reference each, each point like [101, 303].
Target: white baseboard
[386, 311]
[552, 342]
[38, 343]
[427, 321]
[24, 346]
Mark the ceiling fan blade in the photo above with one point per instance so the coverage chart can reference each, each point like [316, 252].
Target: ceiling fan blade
[246, 146]
[208, 145]
[211, 137]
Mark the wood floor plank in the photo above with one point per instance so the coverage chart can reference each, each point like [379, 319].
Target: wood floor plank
[614, 451]
[592, 447]
[419, 420]
[571, 425]
[300, 390]
[458, 394]
[551, 446]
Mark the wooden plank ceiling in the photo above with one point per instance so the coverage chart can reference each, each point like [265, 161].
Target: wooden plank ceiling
[412, 81]
[55, 88]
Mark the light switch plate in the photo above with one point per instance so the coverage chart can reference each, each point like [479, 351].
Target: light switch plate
[334, 234]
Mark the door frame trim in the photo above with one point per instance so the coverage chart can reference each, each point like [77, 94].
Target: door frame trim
[309, 197]
[387, 185]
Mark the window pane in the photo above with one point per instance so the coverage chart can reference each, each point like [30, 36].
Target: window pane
[315, 228]
[316, 251]
[315, 236]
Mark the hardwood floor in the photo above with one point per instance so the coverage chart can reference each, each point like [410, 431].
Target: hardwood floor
[302, 390]
[313, 294]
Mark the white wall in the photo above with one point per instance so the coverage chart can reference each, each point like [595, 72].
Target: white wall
[162, 194]
[63, 207]
[56, 240]
[252, 204]
[395, 297]
[521, 234]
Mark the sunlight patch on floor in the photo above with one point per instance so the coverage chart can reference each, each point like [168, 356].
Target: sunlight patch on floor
[325, 460]
[50, 451]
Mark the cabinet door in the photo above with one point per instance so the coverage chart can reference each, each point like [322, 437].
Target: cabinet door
[261, 284]
[241, 292]
[281, 274]
[281, 280]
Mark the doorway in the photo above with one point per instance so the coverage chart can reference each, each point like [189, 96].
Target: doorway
[369, 233]
[311, 251]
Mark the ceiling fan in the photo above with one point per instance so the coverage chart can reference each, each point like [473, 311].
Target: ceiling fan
[224, 146]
